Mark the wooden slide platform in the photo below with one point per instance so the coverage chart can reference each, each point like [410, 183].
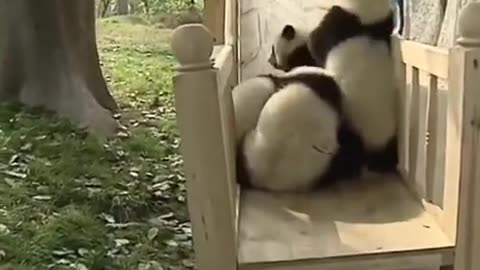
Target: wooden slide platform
[372, 217]
[376, 217]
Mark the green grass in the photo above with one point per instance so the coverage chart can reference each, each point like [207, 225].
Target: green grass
[68, 201]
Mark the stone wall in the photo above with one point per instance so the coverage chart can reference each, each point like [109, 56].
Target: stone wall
[427, 21]
[261, 20]
[433, 21]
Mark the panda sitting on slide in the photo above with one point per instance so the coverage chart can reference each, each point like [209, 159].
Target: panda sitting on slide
[291, 134]
[353, 42]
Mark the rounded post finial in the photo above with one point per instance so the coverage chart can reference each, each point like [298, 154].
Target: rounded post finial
[192, 45]
[468, 28]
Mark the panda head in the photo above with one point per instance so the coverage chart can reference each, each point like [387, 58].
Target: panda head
[289, 49]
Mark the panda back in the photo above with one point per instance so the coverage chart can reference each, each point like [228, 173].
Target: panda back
[249, 97]
[295, 139]
[353, 42]
[352, 18]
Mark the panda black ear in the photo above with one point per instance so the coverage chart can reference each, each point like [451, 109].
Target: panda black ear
[288, 32]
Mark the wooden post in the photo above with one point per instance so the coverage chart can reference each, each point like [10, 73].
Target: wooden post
[467, 254]
[202, 147]
[214, 14]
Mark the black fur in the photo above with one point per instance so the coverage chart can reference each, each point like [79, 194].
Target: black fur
[339, 25]
[384, 160]
[289, 32]
[347, 162]
[301, 56]
[323, 86]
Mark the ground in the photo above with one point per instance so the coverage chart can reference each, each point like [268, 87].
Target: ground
[69, 201]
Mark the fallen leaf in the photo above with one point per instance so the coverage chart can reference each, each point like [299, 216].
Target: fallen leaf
[108, 218]
[152, 233]
[188, 263]
[62, 252]
[167, 216]
[123, 135]
[121, 242]
[155, 265]
[26, 147]
[42, 198]
[12, 183]
[15, 174]
[4, 229]
[80, 266]
[171, 243]
[83, 252]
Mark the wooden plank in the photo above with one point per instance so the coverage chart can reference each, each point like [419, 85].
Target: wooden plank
[231, 34]
[468, 235]
[224, 63]
[408, 261]
[214, 12]
[417, 154]
[428, 58]
[404, 98]
[436, 159]
[358, 220]
[453, 142]
[203, 149]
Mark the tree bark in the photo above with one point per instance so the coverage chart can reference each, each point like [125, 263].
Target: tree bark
[122, 7]
[49, 58]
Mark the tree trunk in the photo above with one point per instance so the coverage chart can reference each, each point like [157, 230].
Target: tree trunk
[122, 7]
[49, 59]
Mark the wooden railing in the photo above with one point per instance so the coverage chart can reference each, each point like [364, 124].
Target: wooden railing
[439, 99]
[439, 166]
[430, 125]
[204, 110]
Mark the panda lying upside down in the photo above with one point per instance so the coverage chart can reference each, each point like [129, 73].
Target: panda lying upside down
[297, 137]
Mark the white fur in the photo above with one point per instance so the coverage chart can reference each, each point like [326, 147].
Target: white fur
[249, 97]
[365, 72]
[280, 151]
[308, 70]
[369, 11]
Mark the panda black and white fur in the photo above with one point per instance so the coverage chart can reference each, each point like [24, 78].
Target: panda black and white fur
[290, 49]
[249, 97]
[297, 141]
[353, 41]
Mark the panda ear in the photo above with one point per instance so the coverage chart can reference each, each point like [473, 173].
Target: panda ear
[288, 32]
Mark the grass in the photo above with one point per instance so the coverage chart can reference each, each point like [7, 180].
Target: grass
[68, 201]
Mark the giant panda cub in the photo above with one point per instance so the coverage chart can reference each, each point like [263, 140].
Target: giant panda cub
[290, 50]
[295, 143]
[353, 41]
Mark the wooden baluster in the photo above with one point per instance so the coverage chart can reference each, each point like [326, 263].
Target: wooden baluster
[467, 53]
[436, 143]
[202, 147]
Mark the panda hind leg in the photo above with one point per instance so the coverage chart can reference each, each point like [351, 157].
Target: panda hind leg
[348, 162]
[384, 160]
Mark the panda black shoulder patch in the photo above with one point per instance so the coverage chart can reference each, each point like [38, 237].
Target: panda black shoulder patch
[339, 25]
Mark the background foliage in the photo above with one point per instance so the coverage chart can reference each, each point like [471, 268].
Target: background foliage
[163, 13]
[107, 8]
